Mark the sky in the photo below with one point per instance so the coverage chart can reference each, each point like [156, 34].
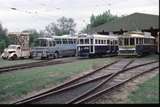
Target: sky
[18, 15]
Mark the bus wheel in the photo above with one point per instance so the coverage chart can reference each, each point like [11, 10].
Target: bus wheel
[56, 55]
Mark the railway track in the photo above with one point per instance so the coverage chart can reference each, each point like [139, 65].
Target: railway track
[88, 86]
[114, 81]
[35, 64]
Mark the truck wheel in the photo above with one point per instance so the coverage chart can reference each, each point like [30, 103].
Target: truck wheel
[4, 58]
[14, 57]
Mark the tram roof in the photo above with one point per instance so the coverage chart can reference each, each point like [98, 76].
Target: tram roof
[97, 36]
[138, 35]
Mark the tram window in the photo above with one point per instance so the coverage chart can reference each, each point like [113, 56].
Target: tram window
[104, 41]
[78, 41]
[74, 41]
[146, 41]
[91, 41]
[140, 40]
[108, 42]
[152, 41]
[111, 42]
[131, 41]
[120, 41]
[99, 41]
[137, 41]
[126, 42]
[81, 41]
[96, 41]
[86, 41]
[116, 42]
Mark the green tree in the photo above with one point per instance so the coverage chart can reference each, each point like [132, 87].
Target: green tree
[4, 41]
[99, 20]
[61, 27]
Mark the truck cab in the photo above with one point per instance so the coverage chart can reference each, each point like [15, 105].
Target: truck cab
[15, 52]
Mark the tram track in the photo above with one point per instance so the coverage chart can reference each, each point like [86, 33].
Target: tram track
[66, 84]
[73, 91]
[116, 79]
[112, 87]
[34, 64]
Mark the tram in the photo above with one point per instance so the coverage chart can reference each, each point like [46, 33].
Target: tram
[136, 43]
[90, 45]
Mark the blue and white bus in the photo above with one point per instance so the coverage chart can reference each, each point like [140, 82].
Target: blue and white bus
[54, 47]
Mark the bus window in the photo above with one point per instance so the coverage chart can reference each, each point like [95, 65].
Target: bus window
[64, 41]
[70, 41]
[53, 43]
[43, 42]
[132, 41]
[126, 42]
[50, 43]
[58, 41]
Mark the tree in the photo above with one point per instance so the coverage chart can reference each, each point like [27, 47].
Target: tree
[52, 29]
[4, 41]
[100, 19]
[61, 27]
[33, 34]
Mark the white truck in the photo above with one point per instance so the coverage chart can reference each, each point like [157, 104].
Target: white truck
[15, 52]
[19, 48]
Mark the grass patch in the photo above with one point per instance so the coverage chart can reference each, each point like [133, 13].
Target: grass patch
[148, 92]
[21, 82]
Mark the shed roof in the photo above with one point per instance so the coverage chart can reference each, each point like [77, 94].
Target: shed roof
[136, 21]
